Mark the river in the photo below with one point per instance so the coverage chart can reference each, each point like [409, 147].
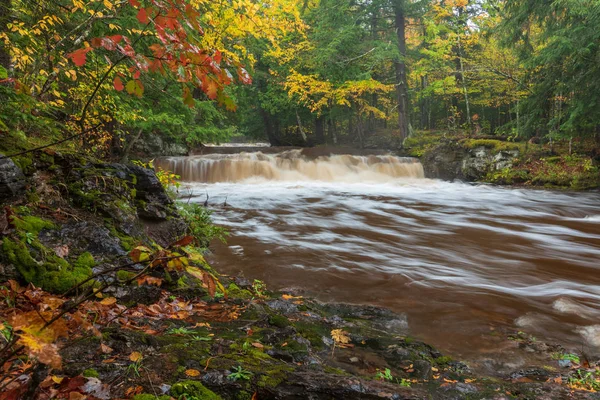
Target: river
[465, 263]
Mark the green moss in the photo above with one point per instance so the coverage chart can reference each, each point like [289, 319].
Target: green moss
[85, 261]
[31, 224]
[420, 142]
[127, 242]
[313, 333]
[17, 254]
[150, 397]
[495, 145]
[274, 376]
[195, 389]
[124, 275]
[90, 373]
[443, 360]
[279, 321]
[234, 292]
[50, 272]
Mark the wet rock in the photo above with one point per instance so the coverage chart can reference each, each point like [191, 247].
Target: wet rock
[534, 374]
[140, 295]
[154, 146]
[465, 388]
[422, 370]
[12, 180]
[316, 386]
[451, 161]
[84, 236]
[285, 307]
[565, 363]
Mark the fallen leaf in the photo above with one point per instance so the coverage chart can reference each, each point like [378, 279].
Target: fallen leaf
[109, 301]
[57, 379]
[76, 396]
[62, 251]
[135, 356]
[192, 372]
[257, 345]
[289, 297]
[105, 349]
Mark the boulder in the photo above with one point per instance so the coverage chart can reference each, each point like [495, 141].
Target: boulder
[12, 180]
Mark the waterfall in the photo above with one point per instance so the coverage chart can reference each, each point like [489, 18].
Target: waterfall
[291, 165]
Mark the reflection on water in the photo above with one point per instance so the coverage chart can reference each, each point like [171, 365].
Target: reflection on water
[461, 261]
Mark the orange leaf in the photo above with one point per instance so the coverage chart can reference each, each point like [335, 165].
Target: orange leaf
[257, 345]
[109, 301]
[192, 372]
[134, 3]
[135, 356]
[149, 280]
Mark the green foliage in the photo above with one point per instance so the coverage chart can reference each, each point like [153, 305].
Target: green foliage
[495, 145]
[583, 379]
[201, 226]
[193, 390]
[239, 373]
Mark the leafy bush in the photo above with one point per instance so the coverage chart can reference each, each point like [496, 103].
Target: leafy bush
[201, 226]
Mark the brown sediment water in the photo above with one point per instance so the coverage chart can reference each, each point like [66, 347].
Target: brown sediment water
[463, 262]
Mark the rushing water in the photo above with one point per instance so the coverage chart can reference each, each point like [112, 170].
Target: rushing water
[463, 262]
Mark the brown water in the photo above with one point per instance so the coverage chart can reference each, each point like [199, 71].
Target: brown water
[462, 262]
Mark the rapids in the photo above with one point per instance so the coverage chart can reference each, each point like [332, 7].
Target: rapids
[463, 262]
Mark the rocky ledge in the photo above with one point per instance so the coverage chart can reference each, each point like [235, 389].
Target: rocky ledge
[174, 336]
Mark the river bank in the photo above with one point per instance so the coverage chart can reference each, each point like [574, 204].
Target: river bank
[176, 333]
[562, 165]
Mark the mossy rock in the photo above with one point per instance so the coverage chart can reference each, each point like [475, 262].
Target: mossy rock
[51, 272]
[146, 396]
[193, 389]
[234, 292]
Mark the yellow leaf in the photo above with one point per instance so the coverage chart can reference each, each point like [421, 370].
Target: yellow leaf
[57, 379]
[109, 301]
[192, 372]
[340, 336]
[135, 356]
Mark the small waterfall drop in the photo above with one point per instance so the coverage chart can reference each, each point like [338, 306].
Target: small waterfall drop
[291, 165]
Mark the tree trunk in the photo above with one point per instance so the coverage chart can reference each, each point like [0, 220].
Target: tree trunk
[400, 66]
[320, 129]
[464, 85]
[271, 134]
[125, 157]
[300, 128]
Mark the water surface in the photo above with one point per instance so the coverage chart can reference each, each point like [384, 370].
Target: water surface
[463, 262]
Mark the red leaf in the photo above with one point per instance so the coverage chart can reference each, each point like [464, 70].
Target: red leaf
[184, 241]
[142, 16]
[118, 84]
[217, 57]
[79, 56]
[210, 283]
[134, 3]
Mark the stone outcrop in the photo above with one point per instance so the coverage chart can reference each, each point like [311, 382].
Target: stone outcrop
[452, 161]
[12, 180]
